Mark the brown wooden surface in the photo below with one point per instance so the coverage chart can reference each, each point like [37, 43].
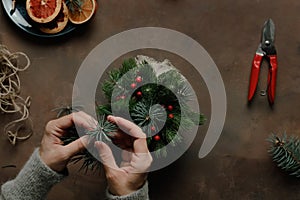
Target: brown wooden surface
[239, 166]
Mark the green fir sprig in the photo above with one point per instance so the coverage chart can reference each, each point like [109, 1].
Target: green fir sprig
[285, 152]
[102, 131]
[74, 5]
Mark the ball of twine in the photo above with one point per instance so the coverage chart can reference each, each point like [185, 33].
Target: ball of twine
[10, 99]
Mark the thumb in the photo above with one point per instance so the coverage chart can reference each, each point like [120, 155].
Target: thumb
[76, 146]
[106, 156]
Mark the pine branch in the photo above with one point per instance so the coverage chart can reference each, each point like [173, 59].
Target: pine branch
[178, 84]
[115, 75]
[66, 110]
[102, 130]
[89, 162]
[160, 150]
[202, 119]
[104, 110]
[147, 72]
[127, 65]
[100, 133]
[141, 114]
[169, 137]
[74, 5]
[121, 107]
[286, 153]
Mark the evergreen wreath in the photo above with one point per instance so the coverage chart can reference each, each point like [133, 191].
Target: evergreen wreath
[152, 106]
[285, 152]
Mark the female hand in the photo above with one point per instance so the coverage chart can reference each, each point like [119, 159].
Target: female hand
[52, 151]
[136, 158]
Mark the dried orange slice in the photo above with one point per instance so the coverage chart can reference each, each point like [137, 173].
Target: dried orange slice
[80, 11]
[43, 11]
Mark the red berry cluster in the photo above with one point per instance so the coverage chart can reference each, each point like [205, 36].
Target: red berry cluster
[138, 80]
[170, 115]
[170, 108]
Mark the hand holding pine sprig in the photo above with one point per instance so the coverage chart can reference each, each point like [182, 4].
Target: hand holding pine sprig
[285, 152]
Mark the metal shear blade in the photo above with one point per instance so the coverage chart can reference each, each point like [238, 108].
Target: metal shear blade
[268, 33]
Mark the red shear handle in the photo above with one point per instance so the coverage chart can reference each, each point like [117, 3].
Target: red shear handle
[272, 78]
[254, 75]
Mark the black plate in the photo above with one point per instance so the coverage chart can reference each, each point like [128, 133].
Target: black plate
[23, 21]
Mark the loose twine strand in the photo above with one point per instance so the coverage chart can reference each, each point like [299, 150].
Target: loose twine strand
[10, 99]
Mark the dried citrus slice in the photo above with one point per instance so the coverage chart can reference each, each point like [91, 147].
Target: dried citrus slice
[80, 11]
[43, 11]
[58, 24]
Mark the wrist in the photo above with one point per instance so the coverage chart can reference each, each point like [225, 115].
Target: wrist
[122, 190]
[50, 162]
[141, 193]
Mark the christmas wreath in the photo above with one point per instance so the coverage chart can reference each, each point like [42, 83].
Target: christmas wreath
[153, 95]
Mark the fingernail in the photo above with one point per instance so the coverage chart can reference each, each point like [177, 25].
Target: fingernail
[97, 144]
[85, 140]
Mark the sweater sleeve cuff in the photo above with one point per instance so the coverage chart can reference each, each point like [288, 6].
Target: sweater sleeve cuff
[141, 194]
[33, 181]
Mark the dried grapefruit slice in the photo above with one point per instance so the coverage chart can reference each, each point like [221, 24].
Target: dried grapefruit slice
[58, 24]
[80, 11]
[43, 11]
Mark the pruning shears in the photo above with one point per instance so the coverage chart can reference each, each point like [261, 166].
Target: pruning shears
[266, 49]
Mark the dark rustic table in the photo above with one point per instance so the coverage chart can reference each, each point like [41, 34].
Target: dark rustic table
[239, 166]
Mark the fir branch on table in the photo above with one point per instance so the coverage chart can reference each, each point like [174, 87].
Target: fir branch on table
[285, 151]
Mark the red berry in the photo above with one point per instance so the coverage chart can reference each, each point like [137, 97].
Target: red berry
[138, 79]
[152, 128]
[170, 107]
[133, 85]
[156, 137]
[139, 93]
[171, 116]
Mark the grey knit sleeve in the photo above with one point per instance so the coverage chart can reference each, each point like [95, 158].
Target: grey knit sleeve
[141, 194]
[33, 182]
